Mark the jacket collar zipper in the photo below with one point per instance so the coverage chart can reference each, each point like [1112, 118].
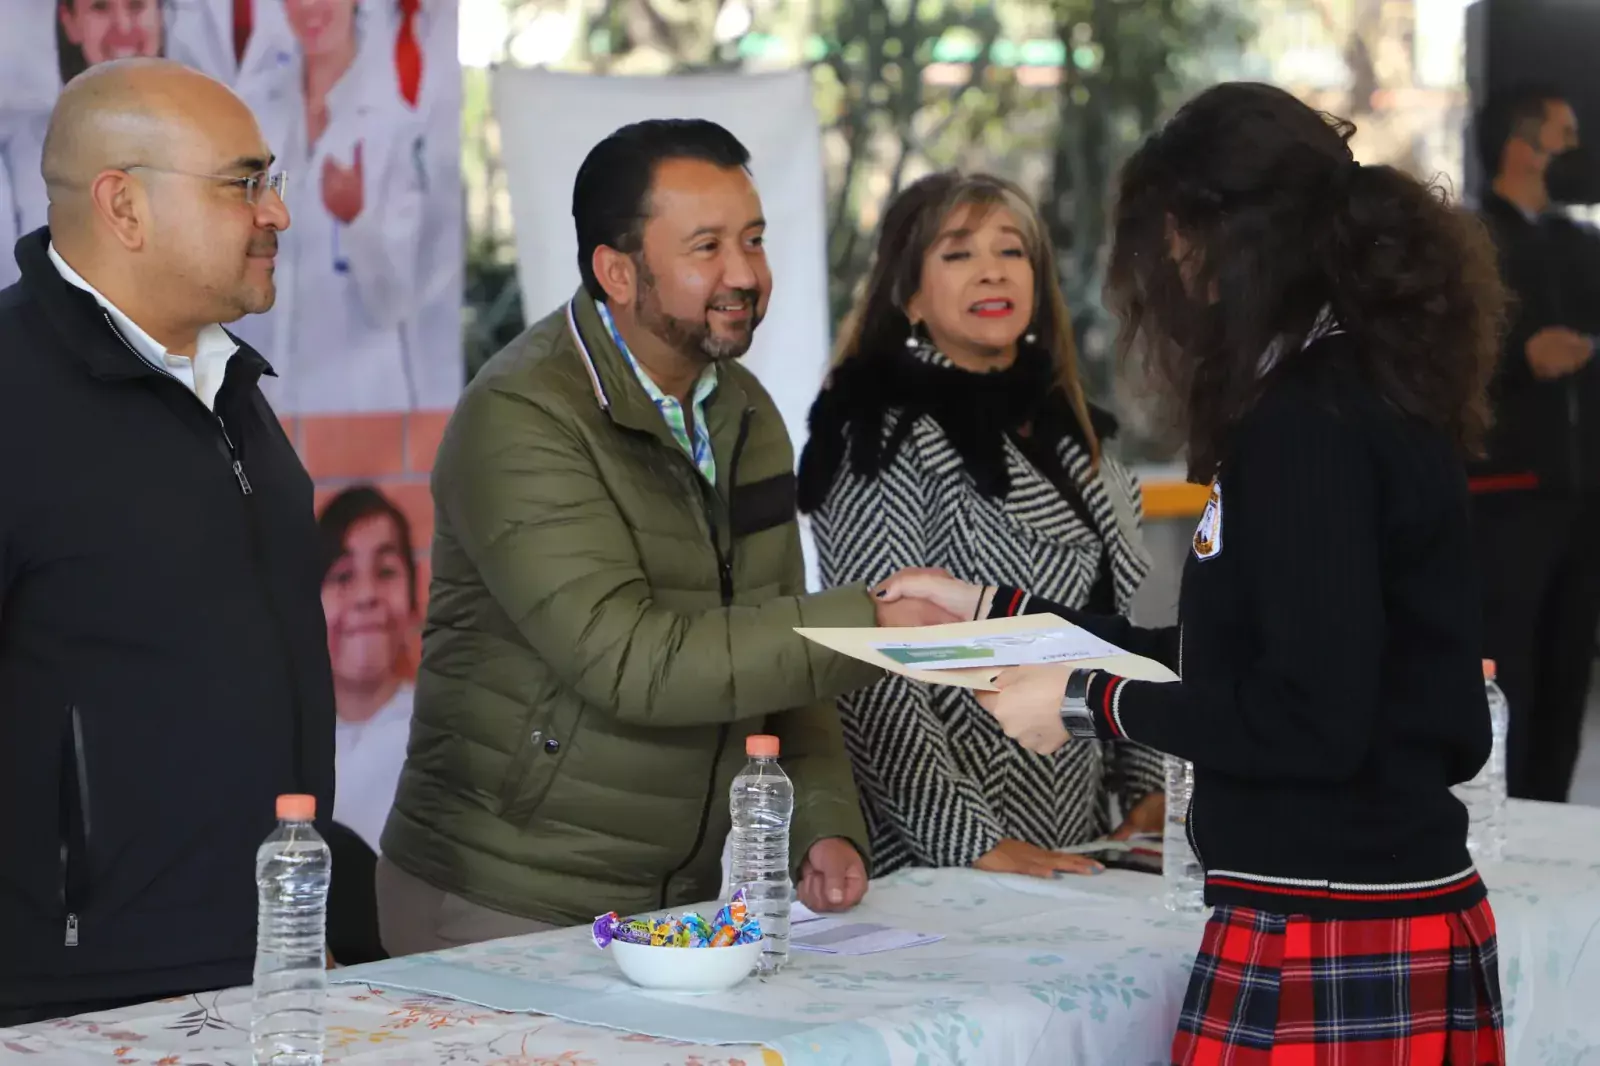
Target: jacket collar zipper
[725, 581]
[233, 452]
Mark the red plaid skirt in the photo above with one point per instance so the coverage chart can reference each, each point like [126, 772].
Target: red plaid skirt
[1276, 990]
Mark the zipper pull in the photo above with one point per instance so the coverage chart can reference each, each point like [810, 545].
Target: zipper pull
[244, 482]
[72, 931]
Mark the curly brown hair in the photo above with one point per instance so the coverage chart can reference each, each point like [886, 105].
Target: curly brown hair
[1244, 219]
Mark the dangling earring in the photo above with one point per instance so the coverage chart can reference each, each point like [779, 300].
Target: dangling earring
[911, 339]
[1029, 337]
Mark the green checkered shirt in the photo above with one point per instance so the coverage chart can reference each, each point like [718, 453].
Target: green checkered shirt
[699, 448]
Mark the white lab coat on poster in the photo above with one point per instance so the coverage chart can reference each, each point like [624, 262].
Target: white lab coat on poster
[23, 201]
[30, 81]
[200, 35]
[368, 758]
[437, 25]
[337, 335]
[435, 330]
[30, 75]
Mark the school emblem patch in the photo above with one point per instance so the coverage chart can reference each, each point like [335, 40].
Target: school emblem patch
[1208, 534]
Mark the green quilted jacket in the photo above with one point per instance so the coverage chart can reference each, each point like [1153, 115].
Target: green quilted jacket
[603, 632]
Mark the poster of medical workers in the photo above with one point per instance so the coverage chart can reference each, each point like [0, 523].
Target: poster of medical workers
[360, 101]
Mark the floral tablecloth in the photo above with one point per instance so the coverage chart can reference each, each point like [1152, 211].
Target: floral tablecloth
[1068, 971]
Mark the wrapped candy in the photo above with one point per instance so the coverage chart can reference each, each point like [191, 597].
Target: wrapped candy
[732, 925]
[734, 912]
[700, 931]
[609, 927]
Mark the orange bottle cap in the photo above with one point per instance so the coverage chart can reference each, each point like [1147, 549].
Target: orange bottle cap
[1488, 669]
[295, 808]
[761, 746]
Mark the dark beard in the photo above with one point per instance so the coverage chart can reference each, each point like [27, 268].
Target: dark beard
[693, 339]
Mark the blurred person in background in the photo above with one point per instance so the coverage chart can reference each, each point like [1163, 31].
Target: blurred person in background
[617, 580]
[417, 38]
[163, 654]
[954, 433]
[86, 32]
[245, 44]
[350, 267]
[93, 31]
[29, 84]
[23, 202]
[370, 600]
[1323, 332]
[1537, 493]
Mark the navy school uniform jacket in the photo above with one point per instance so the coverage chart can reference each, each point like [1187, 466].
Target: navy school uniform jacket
[1328, 642]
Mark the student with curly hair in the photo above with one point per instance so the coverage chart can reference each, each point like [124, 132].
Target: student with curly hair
[1326, 331]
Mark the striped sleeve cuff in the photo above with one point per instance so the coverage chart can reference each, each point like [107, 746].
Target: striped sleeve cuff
[1104, 698]
[1008, 602]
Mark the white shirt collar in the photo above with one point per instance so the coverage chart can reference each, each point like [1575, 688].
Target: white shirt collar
[213, 348]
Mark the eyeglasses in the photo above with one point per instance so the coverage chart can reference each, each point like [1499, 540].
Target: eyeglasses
[252, 184]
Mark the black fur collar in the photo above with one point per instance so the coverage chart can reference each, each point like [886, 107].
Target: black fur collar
[975, 411]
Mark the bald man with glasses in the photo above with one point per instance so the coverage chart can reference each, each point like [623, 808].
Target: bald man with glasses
[163, 658]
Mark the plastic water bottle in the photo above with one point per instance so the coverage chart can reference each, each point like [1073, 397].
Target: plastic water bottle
[1184, 876]
[293, 870]
[762, 804]
[1485, 794]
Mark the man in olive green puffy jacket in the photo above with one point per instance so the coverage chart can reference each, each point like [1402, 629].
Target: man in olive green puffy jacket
[617, 576]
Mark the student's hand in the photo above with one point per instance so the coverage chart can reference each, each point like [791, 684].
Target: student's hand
[1146, 816]
[1555, 352]
[1019, 857]
[962, 601]
[1028, 705]
[833, 876]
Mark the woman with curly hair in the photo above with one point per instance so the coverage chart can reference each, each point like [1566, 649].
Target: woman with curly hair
[1326, 331]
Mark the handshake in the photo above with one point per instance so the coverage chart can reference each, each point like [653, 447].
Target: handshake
[929, 597]
[1026, 703]
[1027, 700]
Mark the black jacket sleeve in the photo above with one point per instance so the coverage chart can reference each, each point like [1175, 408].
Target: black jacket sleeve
[1159, 644]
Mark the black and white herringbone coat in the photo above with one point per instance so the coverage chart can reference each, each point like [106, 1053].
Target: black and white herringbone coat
[940, 782]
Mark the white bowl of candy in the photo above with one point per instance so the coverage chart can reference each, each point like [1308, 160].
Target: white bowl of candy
[686, 969]
[683, 954]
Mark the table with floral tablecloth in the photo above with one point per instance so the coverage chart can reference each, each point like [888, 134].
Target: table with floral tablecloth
[1077, 970]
